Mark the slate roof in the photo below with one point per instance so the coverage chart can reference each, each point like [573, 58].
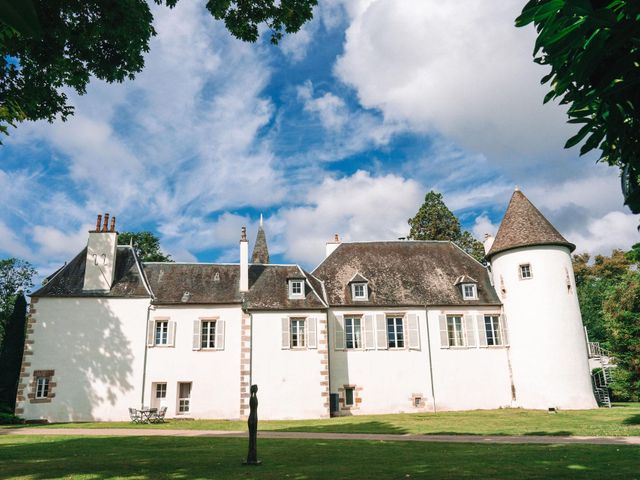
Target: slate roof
[68, 280]
[260, 249]
[523, 225]
[403, 273]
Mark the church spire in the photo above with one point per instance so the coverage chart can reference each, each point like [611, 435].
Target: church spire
[260, 249]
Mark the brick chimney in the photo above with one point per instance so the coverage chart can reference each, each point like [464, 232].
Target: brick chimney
[244, 261]
[101, 256]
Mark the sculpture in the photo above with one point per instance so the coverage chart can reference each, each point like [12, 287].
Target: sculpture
[252, 456]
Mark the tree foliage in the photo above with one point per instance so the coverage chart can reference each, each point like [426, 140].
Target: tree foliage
[11, 350]
[434, 221]
[146, 245]
[15, 276]
[593, 49]
[77, 39]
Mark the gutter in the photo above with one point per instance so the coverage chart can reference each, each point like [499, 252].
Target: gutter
[433, 389]
[146, 349]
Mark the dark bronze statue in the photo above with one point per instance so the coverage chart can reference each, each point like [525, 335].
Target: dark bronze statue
[252, 456]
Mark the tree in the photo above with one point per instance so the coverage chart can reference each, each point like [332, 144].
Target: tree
[146, 245]
[11, 350]
[15, 276]
[77, 39]
[593, 49]
[434, 221]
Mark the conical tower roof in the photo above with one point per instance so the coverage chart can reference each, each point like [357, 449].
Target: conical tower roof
[260, 249]
[523, 226]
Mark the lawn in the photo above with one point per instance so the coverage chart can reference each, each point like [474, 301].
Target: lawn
[622, 419]
[27, 457]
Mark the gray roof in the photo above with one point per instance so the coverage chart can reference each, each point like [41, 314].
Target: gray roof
[260, 249]
[403, 273]
[68, 280]
[523, 226]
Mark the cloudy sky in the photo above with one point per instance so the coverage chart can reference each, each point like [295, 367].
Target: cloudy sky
[343, 128]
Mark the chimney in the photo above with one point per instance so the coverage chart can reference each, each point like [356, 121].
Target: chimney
[244, 261]
[100, 264]
[488, 242]
[331, 246]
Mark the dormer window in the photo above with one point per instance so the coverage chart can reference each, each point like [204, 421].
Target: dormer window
[359, 291]
[296, 288]
[469, 291]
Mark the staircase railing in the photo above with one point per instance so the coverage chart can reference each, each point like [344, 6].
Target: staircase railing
[601, 377]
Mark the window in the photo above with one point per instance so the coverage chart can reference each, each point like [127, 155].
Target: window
[161, 390]
[349, 396]
[184, 397]
[454, 331]
[42, 387]
[296, 288]
[208, 334]
[353, 332]
[469, 291]
[162, 332]
[297, 332]
[417, 402]
[395, 332]
[525, 271]
[359, 291]
[492, 329]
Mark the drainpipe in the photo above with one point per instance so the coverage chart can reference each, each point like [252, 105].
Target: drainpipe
[146, 348]
[433, 390]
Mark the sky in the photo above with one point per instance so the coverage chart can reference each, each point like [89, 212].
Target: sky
[342, 128]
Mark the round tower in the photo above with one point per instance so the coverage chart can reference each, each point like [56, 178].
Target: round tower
[533, 276]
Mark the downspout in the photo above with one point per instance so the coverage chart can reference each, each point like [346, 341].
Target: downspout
[433, 389]
[146, 348]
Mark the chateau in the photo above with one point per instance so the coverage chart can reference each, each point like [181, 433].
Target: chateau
[377, 327]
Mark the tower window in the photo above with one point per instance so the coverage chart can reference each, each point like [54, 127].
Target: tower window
[525, 271]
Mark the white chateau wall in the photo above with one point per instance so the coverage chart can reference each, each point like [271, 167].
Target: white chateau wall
[387, 380]
[214, 374]
[96, 348]
[549, 354]
[290, 380]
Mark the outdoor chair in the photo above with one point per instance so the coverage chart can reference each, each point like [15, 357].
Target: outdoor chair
[135, 416]
[158, 417]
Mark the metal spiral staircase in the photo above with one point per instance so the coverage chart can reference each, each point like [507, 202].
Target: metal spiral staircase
[601, 376]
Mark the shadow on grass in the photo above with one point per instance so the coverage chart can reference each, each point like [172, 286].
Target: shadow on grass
[632, 420]
[197, 458]
[359, 427]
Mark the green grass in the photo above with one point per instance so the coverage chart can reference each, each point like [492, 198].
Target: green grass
[35, 458]
[622, 420]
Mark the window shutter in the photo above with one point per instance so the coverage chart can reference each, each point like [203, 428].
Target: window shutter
[151, 333]
[220, 334]
[469, 331]
[444, 334]
[413, 331]
[312, 335]
[196, 335]
[339, 332]
[381, 331]
[369, 333]
[171, 341]
[286, 335]
[482, 332]
[503, 329]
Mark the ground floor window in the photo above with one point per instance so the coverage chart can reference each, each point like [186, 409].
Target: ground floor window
[42, 387]
[454, 331]
[161, 390]
[492, 329]
[184, 397]
[349, 396]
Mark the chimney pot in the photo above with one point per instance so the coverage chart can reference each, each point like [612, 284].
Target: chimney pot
[105, 225]
[113, 224]
[243, 235]
[98, 223]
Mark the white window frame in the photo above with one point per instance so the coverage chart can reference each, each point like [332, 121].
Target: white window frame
[42, 387]
[156, 324]
[292, 288]
[208, 338]
[494, 331]
[184, 403]
[393, 330]
[474, 291]
[458, 339]
[354, 291]
[297, 331]
[161, 390]
[355, 333]
[521, 270]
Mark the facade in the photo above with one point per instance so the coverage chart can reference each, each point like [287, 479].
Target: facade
[377, 327]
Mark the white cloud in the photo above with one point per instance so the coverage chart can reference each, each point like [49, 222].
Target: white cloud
[59, 244]
[482, 226]
[602, 235]
[458, 68]
[10, 243]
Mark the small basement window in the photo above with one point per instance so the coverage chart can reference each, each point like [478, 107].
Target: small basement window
[469, 291]
[296, 288]
[349, 396]
[525, 271]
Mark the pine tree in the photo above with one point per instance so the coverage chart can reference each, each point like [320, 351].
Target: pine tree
[434, 221]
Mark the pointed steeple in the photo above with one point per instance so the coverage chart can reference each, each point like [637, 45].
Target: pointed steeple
[260, 249]
[523, 226]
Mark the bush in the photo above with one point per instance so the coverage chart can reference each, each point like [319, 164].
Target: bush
[9, 419]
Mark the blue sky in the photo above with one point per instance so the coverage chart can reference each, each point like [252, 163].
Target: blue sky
[343, 128]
